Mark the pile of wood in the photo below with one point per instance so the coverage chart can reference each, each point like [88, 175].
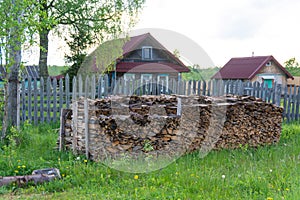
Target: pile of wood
[169, 125]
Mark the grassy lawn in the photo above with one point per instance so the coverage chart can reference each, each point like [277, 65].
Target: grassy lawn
[270, 172]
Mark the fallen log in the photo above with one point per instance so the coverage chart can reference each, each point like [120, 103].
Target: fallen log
[37, 177]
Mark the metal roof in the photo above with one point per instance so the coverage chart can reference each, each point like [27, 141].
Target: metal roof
[246, 67]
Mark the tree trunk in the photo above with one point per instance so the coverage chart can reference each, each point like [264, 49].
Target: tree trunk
[43, 54]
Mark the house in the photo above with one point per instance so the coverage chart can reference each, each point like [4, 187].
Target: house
[147, 59]
[263, 69]
[142, 58]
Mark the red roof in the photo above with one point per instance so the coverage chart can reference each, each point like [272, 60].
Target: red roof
[246, 67]
[132, 45]
[150, 67]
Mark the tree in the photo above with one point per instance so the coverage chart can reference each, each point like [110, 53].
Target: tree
[17, 19]
[291, 63]
[89, 20]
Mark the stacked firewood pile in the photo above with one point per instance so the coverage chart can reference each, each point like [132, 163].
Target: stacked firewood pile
[170, 125]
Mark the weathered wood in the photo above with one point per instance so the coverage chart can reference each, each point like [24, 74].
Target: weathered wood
[48, 100]
[67, 90]
[37, 177]
[42, 118]
[35, 104]
[86, 127]
[54, 99]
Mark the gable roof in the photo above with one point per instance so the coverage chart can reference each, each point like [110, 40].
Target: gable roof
[133, 44]
[246, 67]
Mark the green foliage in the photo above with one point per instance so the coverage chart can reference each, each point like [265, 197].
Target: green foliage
[265, 172]
[200, 74]
[292, 66]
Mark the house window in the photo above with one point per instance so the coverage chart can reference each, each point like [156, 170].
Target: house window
[129, 76]
[147, 53]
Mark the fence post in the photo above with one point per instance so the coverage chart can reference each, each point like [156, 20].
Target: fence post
[23, 101]
[67, 91]
[48, 100]
[86, 129]
[61, 94]
[75, 124]
[54, 99]
[29, 100]
[298, 103]
[35, 105]
[42, 99]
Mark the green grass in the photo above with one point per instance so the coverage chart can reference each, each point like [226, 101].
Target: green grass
[262, 173]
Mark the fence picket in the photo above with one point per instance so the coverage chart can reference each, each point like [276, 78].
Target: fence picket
[35, 104]
[54, 99]
[48, 100]
[42, 118]
[67, 91]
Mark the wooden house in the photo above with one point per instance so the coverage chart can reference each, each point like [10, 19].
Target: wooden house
[147, 59]
[263, 69]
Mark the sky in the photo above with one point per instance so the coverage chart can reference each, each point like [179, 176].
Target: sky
[231, 28]
[210, 32]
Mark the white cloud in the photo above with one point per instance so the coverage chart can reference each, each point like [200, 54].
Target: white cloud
[231, 28]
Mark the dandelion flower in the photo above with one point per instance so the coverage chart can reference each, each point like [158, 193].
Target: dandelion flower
[269, 198]
[136, 177]
[16, 171]
[85, 161]
[23, 166]
[223, 176]
[287, 189]
[63, 175]
[19, 166]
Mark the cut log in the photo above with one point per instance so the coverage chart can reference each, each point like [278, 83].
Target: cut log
[37, 177]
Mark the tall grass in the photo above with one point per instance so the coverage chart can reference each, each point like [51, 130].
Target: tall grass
[270, 172]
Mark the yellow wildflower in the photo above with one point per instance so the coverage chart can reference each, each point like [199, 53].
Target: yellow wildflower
[85, 161]
[16, 171]
[19, 166]
[269, 198]
[136, 177]
[23, 166]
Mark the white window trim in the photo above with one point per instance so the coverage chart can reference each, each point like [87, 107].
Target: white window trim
[143, 56]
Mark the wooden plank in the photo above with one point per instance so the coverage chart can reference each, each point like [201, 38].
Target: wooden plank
[23, 101]
[61, 145]
[86, 87]
[29, 100]
[74, 89]
[99, 87]
[48, 100]
[67, 91]
[80, 85]
[204, 88]
[93, 87]
[194, 91]
[189, 87]
[297, 103]
[86, 127]
[42, 118]
[289, 106]
[274, 93]
[285, 101]
[209, 88]
[294, 98]
[199, 88]
[55, 100]
[61, 94]
[35, 104]
[106, 90]
[75, 125]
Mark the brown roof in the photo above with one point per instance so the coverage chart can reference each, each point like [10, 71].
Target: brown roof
[246, 67]
[149, 67]
[133, 43]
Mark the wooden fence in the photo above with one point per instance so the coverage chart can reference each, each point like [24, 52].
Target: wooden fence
[42, 101]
